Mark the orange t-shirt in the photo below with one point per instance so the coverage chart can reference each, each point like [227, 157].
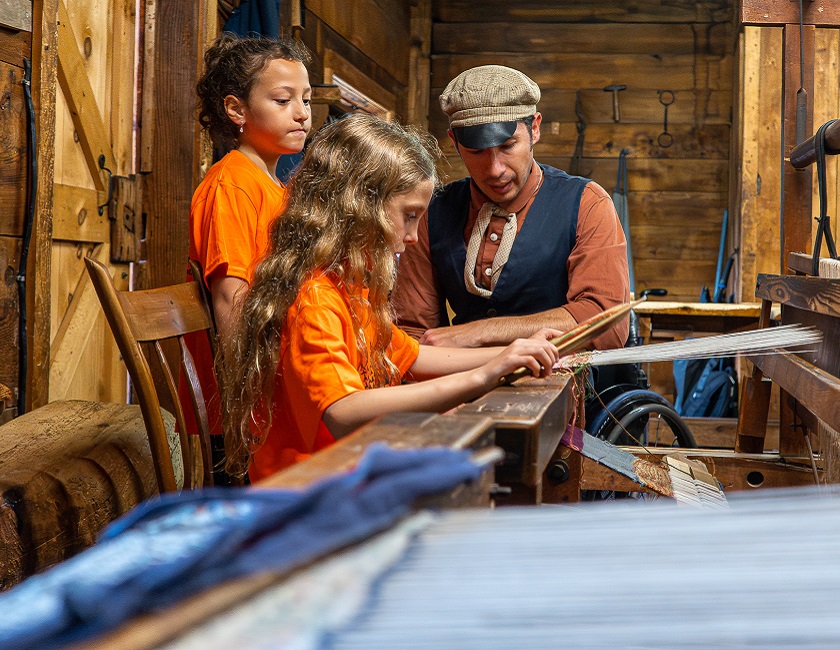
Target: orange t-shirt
[319, 364]
[230, 215]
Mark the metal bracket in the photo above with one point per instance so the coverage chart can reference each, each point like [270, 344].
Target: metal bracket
[101, 162]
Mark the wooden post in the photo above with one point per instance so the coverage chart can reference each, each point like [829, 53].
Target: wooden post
[44, 65]
[754, 402]
[757, 157]
[173, 155]
[797, 211]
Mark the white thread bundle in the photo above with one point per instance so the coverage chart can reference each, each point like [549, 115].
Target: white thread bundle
[763, 574]
[769, 340]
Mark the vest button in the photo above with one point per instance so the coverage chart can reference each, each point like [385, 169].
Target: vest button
[488, 271]
[494, 236]
[491, 312]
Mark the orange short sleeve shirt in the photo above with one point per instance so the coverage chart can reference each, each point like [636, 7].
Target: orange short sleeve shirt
[230, 216]
[319, 364]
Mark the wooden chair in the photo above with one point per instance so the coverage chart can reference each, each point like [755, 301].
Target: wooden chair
[217, 451]
[149, 317]
[198, 276]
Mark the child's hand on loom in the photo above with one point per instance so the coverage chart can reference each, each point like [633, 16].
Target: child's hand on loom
[535, 353]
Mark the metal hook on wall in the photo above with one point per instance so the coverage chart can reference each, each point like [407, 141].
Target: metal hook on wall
[101, 162]
[666, 98]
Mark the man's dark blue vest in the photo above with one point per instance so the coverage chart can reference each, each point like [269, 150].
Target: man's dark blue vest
[535, 277]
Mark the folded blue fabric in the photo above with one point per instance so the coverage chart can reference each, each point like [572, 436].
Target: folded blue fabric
[176, 545]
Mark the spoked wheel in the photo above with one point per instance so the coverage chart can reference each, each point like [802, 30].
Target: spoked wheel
[626, 420]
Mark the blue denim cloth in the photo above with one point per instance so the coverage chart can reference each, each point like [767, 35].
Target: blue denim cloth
[176, 545]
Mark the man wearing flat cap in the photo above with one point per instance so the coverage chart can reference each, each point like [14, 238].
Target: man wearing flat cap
[517, 245]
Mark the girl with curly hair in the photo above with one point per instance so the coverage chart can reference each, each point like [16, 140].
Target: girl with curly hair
[316, 353]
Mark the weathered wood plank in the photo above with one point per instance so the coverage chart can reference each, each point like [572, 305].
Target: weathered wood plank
[9, 312]
[638, 106]
[122, 86]
[821, 295]
[815, 389]
[44, 65]
[683, 280]
[645, 174]
[76, 216]
[380, 32]
[14, 45]
[758, 202]
[77, 90]
[529, 422]
[14, 147]
[676, 72]
[582, 11]
[796, 202]
[419, 77]
[607, 140]
[827, 107]
[146, 74]
[603, 38]
[711, 433]
[650, 174]
[74, 330]
[682, 240]
[16, 14]
[398, 430]
[698, 316]
[783, 12]
[320, 38]
[662, 208]
[174, 161]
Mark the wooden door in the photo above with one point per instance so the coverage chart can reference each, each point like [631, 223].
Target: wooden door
[95, 138]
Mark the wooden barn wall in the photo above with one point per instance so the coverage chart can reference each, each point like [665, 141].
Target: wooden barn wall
[758, 150]
[15, 44]
[677, 195]
[366, 42]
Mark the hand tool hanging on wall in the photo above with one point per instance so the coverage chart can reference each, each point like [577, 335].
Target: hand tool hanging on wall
[824, 227]
[666, 98]
[615, 89]
[619, 197]
[577, 156]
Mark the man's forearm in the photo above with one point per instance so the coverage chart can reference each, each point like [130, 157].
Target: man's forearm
[498, 331]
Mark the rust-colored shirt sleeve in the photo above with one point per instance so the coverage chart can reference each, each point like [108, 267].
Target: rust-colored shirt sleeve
[597, 266]
[416, 295]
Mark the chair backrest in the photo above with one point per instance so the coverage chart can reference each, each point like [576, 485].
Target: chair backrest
[149, 317]
[198, 276]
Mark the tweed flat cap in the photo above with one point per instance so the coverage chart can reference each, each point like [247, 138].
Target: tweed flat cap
[488, 95]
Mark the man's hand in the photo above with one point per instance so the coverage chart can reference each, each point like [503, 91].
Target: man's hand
[497, 331]
[477, 334]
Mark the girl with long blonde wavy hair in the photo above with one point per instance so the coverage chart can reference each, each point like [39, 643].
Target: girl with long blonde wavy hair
[316, 353]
